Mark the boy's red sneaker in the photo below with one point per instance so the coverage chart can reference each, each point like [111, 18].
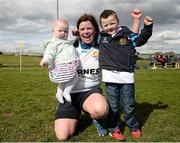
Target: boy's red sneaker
[117, 135]
[136, 133]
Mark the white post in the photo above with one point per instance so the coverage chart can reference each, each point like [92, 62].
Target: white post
[57, 9]
[154, 65]
[20, 60]
[21, 46]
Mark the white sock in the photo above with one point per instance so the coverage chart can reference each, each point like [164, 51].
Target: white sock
[59, 94]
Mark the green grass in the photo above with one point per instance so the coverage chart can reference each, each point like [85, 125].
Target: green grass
[28, 104]
[13, 61]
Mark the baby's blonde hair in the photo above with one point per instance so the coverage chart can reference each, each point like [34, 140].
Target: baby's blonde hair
[60, 21]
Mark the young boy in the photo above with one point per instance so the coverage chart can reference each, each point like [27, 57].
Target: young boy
[62, 60]
[136, 14]
[117, 59]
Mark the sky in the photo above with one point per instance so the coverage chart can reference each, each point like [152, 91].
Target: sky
[26, 23]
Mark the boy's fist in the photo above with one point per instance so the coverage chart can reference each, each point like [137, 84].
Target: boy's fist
[136, 13]
[148, 20]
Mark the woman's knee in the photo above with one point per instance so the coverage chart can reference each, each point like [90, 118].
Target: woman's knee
[97, 106]
[100, 111]
[64, 128]
[61, 133]
[61, 136]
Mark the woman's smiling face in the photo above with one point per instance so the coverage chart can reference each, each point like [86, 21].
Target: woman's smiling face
[87, 32]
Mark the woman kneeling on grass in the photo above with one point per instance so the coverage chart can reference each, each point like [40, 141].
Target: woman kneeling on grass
[87, 95]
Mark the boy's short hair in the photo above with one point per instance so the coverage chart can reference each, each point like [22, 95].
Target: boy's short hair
[106, 13]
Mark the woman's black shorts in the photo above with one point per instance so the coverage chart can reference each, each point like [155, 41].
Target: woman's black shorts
[73, 110]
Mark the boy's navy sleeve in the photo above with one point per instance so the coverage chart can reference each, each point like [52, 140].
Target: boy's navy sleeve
[145, 34]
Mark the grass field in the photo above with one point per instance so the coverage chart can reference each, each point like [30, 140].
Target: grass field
[28, 104]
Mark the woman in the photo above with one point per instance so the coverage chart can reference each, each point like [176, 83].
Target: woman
[87, 95]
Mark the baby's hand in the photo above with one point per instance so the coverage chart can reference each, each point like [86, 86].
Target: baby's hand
[42, 63]
[148, 20]
[136, 13]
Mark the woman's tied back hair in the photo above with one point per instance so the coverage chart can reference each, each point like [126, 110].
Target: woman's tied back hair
[92, 19]
[88, 17]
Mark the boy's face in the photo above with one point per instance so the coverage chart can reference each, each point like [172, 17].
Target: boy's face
[60, 30]
[109, 24]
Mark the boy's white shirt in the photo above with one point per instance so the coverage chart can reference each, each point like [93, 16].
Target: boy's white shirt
[117, 77]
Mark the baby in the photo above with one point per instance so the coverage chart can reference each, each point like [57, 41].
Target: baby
[62, 60]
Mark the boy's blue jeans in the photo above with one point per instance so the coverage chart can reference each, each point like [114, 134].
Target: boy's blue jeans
[121, 97]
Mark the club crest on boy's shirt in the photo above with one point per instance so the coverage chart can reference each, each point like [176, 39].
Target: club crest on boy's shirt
[123, 41]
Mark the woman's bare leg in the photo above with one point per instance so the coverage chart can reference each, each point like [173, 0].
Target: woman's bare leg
[97, 106]
[64, 128]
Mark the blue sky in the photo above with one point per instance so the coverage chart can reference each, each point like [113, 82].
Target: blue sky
[30, 21]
